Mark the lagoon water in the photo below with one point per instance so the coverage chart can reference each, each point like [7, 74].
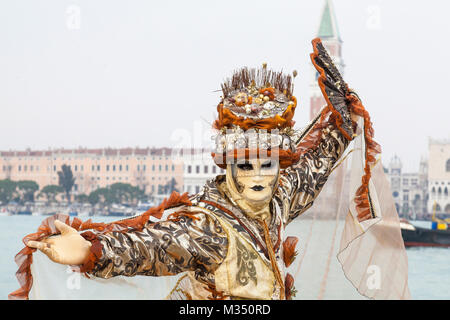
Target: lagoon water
[429, 268]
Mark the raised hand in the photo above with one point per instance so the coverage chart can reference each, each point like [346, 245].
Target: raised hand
[68, 248]
[333, 86]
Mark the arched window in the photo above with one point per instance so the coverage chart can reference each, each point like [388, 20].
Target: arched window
[447, 208]
[433, 191]
[438, 208]
[447, 166]
[439, 191]
[446, 192]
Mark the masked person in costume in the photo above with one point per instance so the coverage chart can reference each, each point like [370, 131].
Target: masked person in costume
[229, 239]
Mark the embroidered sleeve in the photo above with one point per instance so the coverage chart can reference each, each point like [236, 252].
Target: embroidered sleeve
[194, 242]
[302, 183]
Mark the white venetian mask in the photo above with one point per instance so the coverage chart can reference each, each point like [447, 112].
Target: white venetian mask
[255, 179]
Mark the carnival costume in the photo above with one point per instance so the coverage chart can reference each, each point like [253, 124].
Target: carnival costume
[228, 249]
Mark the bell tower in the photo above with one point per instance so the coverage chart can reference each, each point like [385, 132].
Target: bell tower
[329, 34]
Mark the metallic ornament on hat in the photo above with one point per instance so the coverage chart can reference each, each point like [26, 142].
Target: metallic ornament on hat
[238, 130]
[252, 138]
[269, 105]
[241, 141]
[263, 137]
[286, 143]
[275, 140]
[241, 99]
[279, 97]
[230, 138]
[220, 143]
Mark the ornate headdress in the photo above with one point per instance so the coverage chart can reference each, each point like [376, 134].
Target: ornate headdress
[255, 117]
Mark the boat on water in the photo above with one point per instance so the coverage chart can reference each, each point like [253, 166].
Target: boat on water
[24, 212]
[49, 213]
[120, 210]
[415, 236]
[436, 236]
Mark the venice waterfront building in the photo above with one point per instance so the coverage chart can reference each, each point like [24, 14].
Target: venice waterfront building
[198, 167]
[409, 189]
[148, 168]
[439, 175]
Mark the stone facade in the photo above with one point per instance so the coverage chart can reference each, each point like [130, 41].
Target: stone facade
[95, 168]
[198, 167]
[409, 190]
[439, 175]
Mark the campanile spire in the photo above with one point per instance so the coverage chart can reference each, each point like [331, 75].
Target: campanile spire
[328, 32]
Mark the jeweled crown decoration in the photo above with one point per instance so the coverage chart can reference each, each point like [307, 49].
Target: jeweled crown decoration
[255, 113]
[258, 93]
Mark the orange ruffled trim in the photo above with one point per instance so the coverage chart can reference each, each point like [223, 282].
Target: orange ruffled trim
[372, 148]
[95, 252]
[228, 118]
[24, 258]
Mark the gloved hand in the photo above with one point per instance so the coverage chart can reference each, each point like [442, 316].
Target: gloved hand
[68, 248]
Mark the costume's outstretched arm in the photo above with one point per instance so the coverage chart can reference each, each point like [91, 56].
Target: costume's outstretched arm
[188, 240]
[193, 242]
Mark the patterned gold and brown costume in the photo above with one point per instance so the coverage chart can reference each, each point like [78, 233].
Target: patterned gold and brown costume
[224, 252]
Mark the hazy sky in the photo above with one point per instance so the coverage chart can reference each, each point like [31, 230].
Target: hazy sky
[143, 73]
